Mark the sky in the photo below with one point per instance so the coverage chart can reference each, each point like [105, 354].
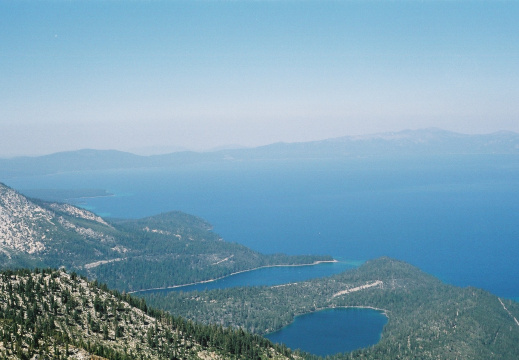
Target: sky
[158, 76]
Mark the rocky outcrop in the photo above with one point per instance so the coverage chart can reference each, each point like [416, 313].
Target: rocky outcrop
[23, 224]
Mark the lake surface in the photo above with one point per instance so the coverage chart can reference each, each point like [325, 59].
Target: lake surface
[332, 331]
[455, 217]
[267, 276]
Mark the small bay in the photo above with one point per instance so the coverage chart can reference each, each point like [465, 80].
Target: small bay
[267, 276]
[332, 331]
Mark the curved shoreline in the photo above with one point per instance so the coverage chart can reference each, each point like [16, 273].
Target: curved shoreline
[332, 307]
[234, 273]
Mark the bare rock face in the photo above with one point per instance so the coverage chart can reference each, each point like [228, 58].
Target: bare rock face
[31, 228]
[77, 212]
[23, 224]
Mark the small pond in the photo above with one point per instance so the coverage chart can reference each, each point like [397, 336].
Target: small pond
[332, 331]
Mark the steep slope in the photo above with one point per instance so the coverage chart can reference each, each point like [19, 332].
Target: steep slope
[164, 250]
[427, 319]
[52, 234]
[52, 314]
[19, 232]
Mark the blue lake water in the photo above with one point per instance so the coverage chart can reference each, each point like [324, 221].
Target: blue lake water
[455, 217]
[267, 276]
[332, 331]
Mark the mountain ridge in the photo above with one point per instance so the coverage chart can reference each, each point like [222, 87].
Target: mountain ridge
[420, 142]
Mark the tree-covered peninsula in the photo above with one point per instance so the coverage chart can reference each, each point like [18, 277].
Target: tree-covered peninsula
[427, 319]
[169, 249]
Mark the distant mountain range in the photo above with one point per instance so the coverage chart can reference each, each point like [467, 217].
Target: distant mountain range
[408, 142]
[52, 314]
[426, 141]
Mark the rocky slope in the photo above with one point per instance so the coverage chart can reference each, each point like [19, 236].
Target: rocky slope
[128, 254]
[51, 314]
[21, 223]
[34, 228]
[36, 231]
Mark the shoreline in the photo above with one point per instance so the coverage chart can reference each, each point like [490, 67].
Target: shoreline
[90, 197]
[234, 273]
[332, 307]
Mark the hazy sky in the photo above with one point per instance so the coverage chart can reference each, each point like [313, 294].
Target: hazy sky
[132, 75]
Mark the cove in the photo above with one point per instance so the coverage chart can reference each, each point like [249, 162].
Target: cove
[332, 331]
[268, 276]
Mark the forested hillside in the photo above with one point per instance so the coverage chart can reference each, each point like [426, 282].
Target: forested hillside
[50, 314]
[164, 250]
[427, 318]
